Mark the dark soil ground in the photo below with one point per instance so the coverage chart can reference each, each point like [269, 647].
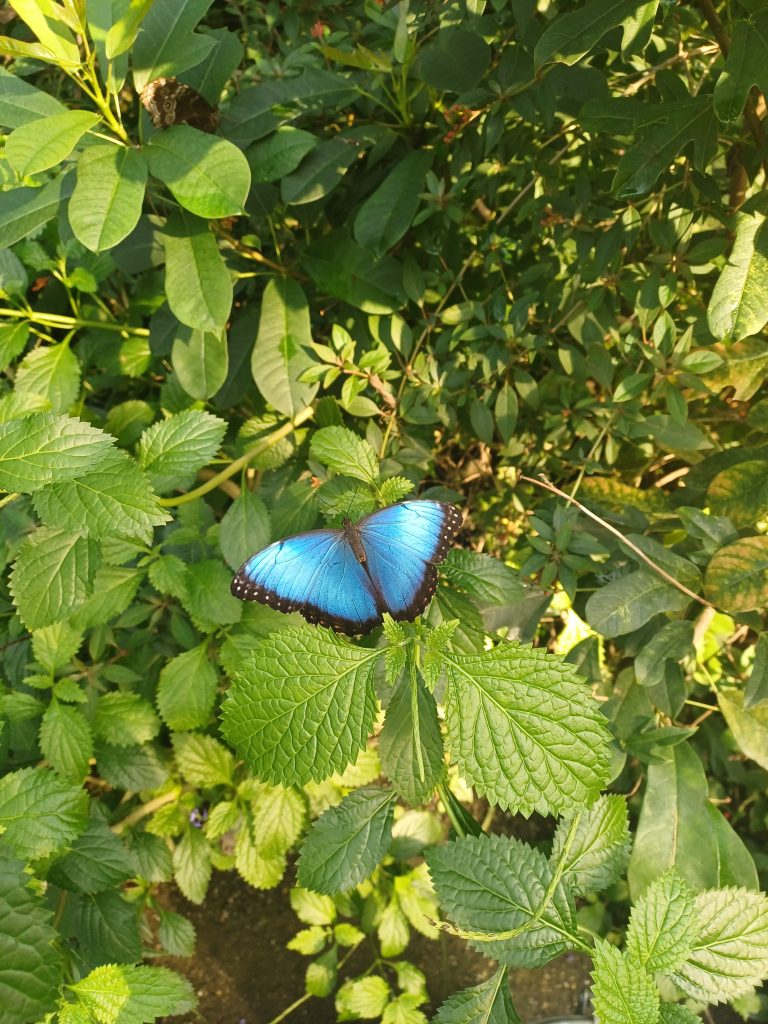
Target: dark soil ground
[243, 974]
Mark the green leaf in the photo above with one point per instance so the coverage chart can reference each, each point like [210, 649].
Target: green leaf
[491, 885]
[30, 960]
[106, 203]
[113, 501]
[674, 828]
[321, 975]
[676, 1013]
[24, 210]
[114, 587]
[362, 998]
[599, 848]
[167, 43]
[749, 727]
[730, 955]
[186, 691]
[13, 341]
[207, 175]
[627, 603]
[573, 35]
[192, 865]
[278, 818]
[280, 355]
[662, 925]
[735, 863]
[97, 861]
[197, 283]
[456, 62]
[52, 372]
[756, 690]
[55, 646]
[208, 598]
[201, 363]
[311, 907]
[622, 992]
[127, 994]
[176, 933]
[51, 29]
[737, 576]
[122, 33]
[172, 451]
[486, 1003]
[123, 719]
[554, 755]
[302, 706]
[65, 740]
[347, 841]
[276, 156]
[202, 760]
[387, 214]
[52, 576]
[308, 941]
[245, 528]
[152, 855]
[341, 450]
[319, 173]
[40, 812]
[487, 580]
[397, 745]
[260, 870]
[21, 102]
[739, 304]
[44, 447]
[342, 268]
[740, 492]
[746, 65]
[46, 141]
[106, 927]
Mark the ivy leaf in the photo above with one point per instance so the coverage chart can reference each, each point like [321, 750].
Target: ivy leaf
[555, 749]
[114, 500]
[281, 353]
[53, 575]
[341, 450]
[622, 992]
[192, 865]
[599, 850]
[52, 372]
[97, 861]
[40, 812]
[302, 706]
[186, 691]
[739, 304]
[662, 925]
[397, 744]
[172, 451]
[492, 884]
[347, 841]
[66, 742]
[30, 961]
[486, 1003]
[44, 447]
[202, 760]
[730, 956]
[127, 994]
[123, 718]
[245, 528]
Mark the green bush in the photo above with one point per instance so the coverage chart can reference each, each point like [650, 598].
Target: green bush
[507, 254]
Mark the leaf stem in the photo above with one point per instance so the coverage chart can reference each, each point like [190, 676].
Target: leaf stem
[146, 809]
[72, 322]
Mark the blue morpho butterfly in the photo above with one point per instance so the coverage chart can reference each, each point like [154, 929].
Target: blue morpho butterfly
[348, 578]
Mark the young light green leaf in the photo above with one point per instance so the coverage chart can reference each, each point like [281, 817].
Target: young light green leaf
[346, 842]
[278, 818]
[555, 753]
[208, 175]
[187, 689]
[261, 870]
[51, 29]
[746, 64]
[573, 35]
[127, 994]
[276, 156]
[54, 646]
[198, 285]
[44, 447]
[66, 742]
[124, 718]
[245, 528]
[311, 907]
[622, 991]
[192, 865]
[397, 745]
[362, 998]
[53, 575]
[113, 500]
[202, 760]
[106, 203]
[662, 925]
[280, 355]
[487, 1003]
[302, 706]
[739, 304]
[344, 452]
[97, 861]
[46, 141]
[122, 33]
[13, 341]
[493, 885]
[730, 954]
[386, 215]
[173, 450]
[599, 849]
[40, 812]
[52, 372]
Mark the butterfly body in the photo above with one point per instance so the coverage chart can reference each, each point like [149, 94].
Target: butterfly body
[347, 579]
[169, 102]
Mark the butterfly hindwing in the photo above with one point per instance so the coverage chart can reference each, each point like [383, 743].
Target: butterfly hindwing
[313, 573]
[169, 102]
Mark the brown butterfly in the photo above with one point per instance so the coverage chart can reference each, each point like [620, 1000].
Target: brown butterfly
[169, 102]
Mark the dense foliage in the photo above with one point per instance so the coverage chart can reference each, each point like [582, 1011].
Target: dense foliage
[506, 253]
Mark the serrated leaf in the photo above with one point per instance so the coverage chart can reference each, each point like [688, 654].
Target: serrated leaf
[123, 718]
[662, 925]
[730, 955]
[622, 992]
[152, 856]
[495, 884]
[554, 754]
[192, 865]
[172, 451]
[44, 447]
[202, 760]
[176, 933]
[397, 745]
[344, 452]
[346, 842]
[302, 705]
[311, 907]
[599, 849]
[106, 927]
[40, 812]
[245, 528]
[208, 598]
[486, 1003]
[309, 940]
[362, 998]
[53, 575]
[739, 304]
[114, 500]
[54, 646]
[114, 587]
[97, 861]
[278, 818]
[393, 930]
[52, 372]
[128, 994]
[262, 871]
[321, 975]
[66, 742]
[485, 579]
[186, 691]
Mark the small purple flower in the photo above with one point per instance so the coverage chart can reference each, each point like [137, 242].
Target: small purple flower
[198, 816]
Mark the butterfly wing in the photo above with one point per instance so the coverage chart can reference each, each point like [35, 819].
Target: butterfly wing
[315, 574]
[169, 101]
[403, 543]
